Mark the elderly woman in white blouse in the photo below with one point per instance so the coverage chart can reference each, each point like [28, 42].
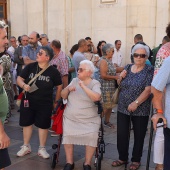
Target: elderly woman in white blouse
[81, 121]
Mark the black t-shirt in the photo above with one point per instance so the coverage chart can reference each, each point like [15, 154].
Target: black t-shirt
[45, 83]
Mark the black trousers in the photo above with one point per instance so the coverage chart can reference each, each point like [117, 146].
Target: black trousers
[139, 128]
[4, 158]
[167, 149]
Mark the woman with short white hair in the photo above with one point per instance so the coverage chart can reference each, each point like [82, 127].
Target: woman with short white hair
[134, 106]
[81, 121]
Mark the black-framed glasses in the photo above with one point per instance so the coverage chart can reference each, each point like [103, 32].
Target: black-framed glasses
[135, 55]
[41, 38]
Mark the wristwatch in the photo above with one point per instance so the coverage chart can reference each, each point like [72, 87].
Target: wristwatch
[137, 102]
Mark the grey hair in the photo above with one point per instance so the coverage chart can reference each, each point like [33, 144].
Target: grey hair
[106, 48]
[44, 35]
[24, 36]
[89, 65]
[141, 46]
[3, 24]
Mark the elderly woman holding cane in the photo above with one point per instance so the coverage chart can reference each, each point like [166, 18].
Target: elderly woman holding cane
[108, 79]
[37, 103]
[134, 105]
[81, 121]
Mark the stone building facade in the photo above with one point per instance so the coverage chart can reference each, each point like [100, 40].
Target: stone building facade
[70, 20]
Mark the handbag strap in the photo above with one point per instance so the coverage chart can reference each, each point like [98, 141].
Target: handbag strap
[127, 69]
[36, 76]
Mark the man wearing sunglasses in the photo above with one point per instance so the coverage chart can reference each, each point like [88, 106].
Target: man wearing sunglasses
[44, 40]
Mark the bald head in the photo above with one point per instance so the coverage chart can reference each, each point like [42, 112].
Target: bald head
[83, 45]
[82, 42]
[34, 38]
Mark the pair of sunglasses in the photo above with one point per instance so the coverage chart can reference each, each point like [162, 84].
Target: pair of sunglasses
[41, 53]
[81, 70]
[135, 55]
[41, 38]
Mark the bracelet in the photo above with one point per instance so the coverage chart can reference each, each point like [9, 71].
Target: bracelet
[160, 111]
[155, 111]
[23, 85]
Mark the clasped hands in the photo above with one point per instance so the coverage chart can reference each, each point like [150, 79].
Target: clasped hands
[73, 88]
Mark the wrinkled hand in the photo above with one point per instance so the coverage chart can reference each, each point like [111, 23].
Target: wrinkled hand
[116, 77]
[123, 73]
[71, 88]
[4, 141]
[26, 87]
[132, 107]
[155, 119]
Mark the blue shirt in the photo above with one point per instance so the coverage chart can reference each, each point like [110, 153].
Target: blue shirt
[77, 58]
[161, 81]
[30, 52]
[131, 88]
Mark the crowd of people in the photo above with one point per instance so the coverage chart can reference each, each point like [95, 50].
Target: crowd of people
[38, 68]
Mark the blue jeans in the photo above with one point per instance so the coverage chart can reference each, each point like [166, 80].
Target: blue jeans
[167, 149]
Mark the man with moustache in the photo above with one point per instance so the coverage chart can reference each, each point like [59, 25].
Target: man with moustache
[29, 52]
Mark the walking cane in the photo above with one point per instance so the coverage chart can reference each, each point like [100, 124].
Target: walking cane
[150, 139]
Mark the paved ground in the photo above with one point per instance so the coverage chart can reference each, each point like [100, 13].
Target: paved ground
[34, 162]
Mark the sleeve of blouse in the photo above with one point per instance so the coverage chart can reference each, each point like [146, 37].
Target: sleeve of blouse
[96, 87]
[149, 76]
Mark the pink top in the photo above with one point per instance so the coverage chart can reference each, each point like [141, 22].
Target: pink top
[162, 54]
[61, 62]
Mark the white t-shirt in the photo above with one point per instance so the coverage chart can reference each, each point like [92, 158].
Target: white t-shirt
[117, 57]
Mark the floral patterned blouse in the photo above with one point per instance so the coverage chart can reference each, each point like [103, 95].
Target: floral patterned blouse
[131, 88]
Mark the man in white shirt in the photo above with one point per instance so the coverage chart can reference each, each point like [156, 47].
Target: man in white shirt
[117, 58]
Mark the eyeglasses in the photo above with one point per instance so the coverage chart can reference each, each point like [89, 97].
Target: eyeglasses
[135, 55]
[41, 38]
[81, 69]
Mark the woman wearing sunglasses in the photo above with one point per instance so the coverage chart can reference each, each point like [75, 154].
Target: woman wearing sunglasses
[80, 120]
[134, 104]
[37, 103]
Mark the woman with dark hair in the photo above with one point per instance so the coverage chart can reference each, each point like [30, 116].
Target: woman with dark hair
[99, 47]
[71, 70]
[37, 104]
